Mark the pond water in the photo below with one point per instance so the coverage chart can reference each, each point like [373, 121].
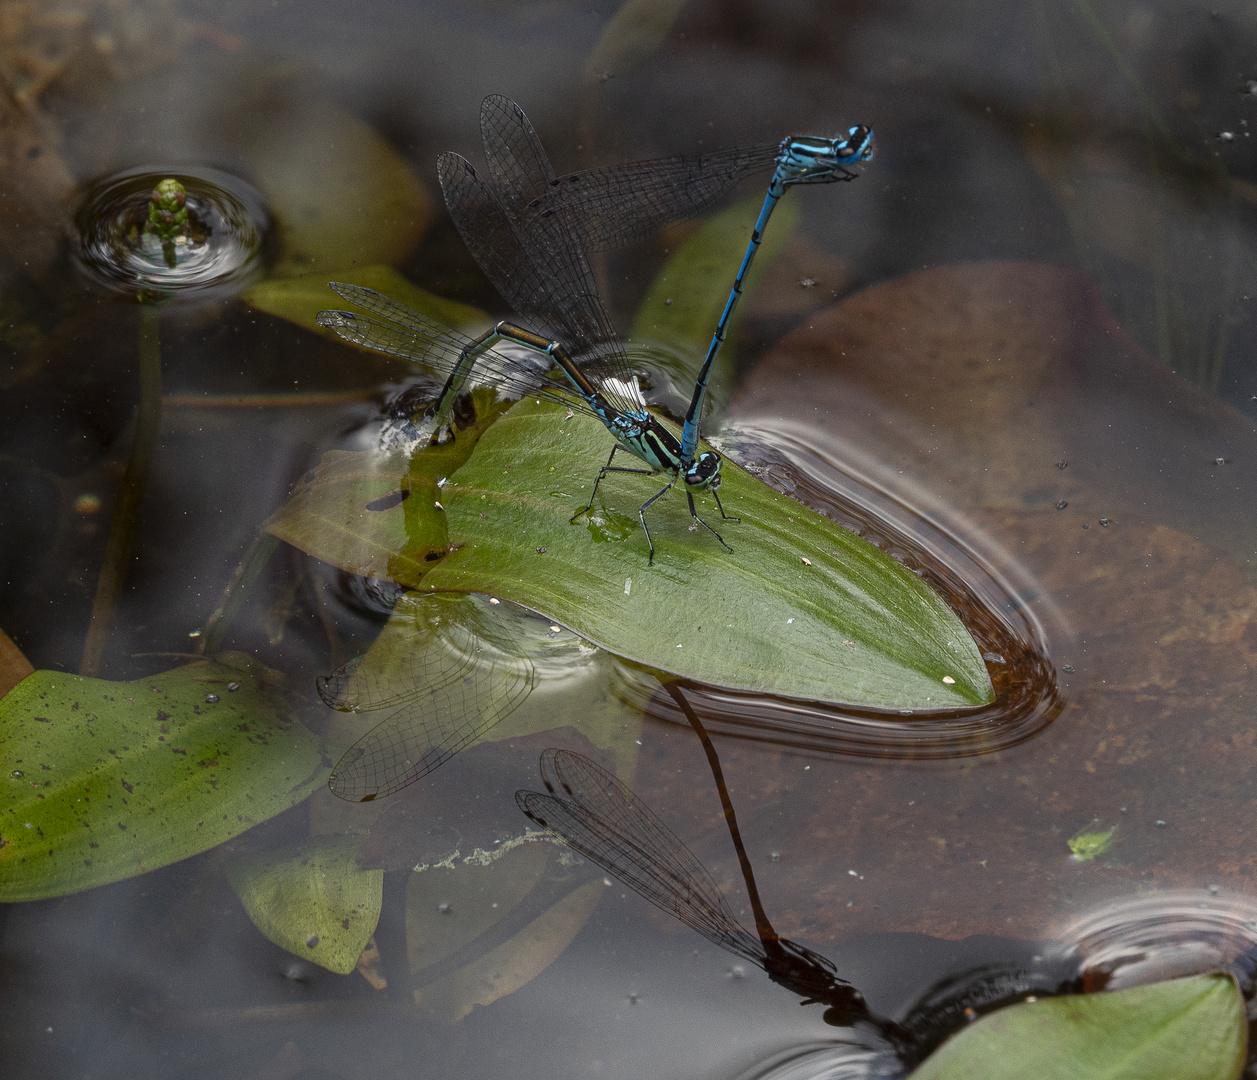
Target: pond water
[1016, 353]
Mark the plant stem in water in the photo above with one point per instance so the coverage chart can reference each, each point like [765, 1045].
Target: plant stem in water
[237, 590]
[762, 926]
[130, 494]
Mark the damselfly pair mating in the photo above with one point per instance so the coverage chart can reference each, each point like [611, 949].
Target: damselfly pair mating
[532, 233]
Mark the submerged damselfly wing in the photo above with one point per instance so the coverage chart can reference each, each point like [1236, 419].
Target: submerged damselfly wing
[444, 672]
[608, 824]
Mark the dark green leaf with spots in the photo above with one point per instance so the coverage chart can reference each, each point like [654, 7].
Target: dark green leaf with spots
[106, 780]
[801, 607]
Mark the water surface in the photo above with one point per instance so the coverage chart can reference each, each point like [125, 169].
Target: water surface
[1017, 352]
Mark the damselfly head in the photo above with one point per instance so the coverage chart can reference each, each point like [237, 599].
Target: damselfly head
[858, 145]
[812, 159]
[704, 471]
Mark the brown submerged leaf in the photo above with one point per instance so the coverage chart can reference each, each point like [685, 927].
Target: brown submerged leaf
[966, 386]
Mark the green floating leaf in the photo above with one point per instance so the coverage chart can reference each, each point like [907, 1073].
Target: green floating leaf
[106, 780]
[1187, 1029]
[313, 900]
[801, 607]
[300, 299]
[376, 513]
[688, 295]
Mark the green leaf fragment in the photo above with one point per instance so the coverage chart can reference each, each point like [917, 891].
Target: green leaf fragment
[1087, 845]
[312, 900]
[105, 780]
[1186, 1029]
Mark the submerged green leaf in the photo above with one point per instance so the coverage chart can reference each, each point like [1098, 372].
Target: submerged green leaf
[377, 512]
[105, 780]
[635, 32]
[445, 671]
[801, 607]
[355, 205]
[1187, 1029]
[1088, 844]
[449, 669]
[533, 887]
[312, 899]
[300, 299]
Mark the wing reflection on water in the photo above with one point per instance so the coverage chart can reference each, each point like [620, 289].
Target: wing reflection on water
[604, 821]
[608, 824]
[449, 668]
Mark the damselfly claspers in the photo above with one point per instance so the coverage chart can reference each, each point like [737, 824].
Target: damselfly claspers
[531, 233]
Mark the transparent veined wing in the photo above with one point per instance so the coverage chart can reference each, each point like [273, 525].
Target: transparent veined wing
[605, 822]
[445, 672]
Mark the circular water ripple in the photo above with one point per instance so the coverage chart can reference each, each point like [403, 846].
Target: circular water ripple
[1167, 935]
[826, 1061]
[220, 252]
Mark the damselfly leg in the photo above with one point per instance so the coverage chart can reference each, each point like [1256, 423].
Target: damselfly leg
[641, 511]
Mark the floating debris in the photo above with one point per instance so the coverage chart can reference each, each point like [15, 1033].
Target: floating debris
[1087, 845]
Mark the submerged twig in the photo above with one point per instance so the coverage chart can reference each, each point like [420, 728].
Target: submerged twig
[242, 579]
[130, 494]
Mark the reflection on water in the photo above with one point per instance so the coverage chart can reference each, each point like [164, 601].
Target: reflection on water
[219, 250]
[1144, 939]
[971, 361]
[824, 1061]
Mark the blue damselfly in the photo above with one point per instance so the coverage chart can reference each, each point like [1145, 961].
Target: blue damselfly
[531, 233]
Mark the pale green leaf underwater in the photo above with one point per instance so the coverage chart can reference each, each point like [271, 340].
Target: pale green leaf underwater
[312, 899]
